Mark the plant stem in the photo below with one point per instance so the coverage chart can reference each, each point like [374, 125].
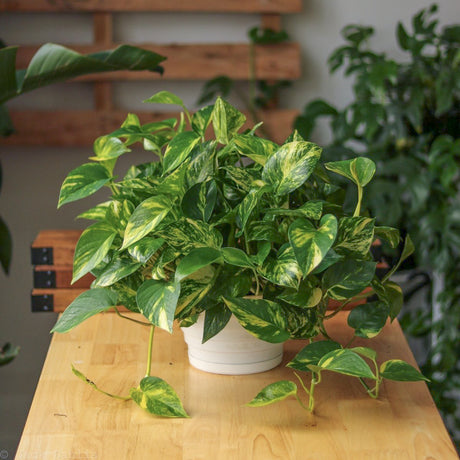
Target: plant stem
[149, 354]
[358, 205]
[131, 319]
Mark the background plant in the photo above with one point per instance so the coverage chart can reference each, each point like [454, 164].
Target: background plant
[208, 222]
[51, 64]
[404, 115]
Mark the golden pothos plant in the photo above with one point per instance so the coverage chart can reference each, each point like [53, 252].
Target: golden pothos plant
[215, 218]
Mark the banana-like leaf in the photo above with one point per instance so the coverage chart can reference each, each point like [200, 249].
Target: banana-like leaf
[311, 244]
[368, 319]
[312, 353]
[345, 361]
[395, 369]
[359, 170]
[157, 301]
[355, 236]
[274, 392]
[290, 166]
[158, 398]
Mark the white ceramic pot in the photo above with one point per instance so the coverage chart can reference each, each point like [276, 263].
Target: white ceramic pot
[233, 351]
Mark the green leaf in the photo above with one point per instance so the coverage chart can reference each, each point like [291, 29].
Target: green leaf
[6, 124]
[179, 149]
[118, 214]
[262, 318]
[274, 392]
[116, 270]
[310, 210]
[404, 41]
[355, 236]
[330, 259]
[145, 218]
[312, 353]
[306, 296]
[215, 319]
[259, 150]
[8, 353]
[394, 297]
[301, 323]
[196, 259]
[199, 201]
[226, 121]
[368, 319]
[157, 397]
[165, 97]
[201, 120]
[157, 301]
[290, 166]
[145, 248]
[92, 247]
[395, 369]
[408, 249]
[311, 245]
[359, 170]
[108, 148]
[8, 87]
[284, 270]
[82, 182]
[98, 212]
[6, 246]
[246, 207]
[348, 278]
[345, 361]
[237, 257]
[389, 234]
[366, 352]
[87, 304]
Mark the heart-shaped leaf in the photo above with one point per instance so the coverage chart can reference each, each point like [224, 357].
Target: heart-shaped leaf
[195, 260]
[359, 170]
[355, 236]
[226, 121]
[274, 392]
[395, 369]
[259, 150]
[312, 353]
[284, 270]
[165, 97]
[345, 361]
[116, 270]
[179, 149]
[368, 319]
[108, 148]
[145, 248]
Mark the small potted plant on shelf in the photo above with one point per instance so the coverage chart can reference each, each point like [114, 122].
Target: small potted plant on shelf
[225, 226]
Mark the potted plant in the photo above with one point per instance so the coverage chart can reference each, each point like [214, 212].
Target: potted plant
[234, 225]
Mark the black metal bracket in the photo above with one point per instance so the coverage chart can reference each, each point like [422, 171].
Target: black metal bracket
[44, 279]
[42, 256]
[41, 303]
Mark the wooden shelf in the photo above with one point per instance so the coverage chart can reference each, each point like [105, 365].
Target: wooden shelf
[68, 417]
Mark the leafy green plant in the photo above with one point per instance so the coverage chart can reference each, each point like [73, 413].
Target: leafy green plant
[51, 64]
[404, 115]
[234, 225]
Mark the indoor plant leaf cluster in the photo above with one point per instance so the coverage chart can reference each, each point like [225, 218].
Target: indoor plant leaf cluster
[223, 222]
[404, 115]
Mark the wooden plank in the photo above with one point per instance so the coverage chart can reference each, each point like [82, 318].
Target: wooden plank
[81, 128]
[59, 276]
[223, 6]
[69, 419]
[56, 246]
[199, 61]
[271, 21]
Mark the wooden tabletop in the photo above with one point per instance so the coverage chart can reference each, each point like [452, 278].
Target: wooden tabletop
[70, 420]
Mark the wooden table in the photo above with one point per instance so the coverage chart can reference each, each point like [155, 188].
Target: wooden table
[69, 420]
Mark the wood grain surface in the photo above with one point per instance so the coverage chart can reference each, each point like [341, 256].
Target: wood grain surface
[69, 420]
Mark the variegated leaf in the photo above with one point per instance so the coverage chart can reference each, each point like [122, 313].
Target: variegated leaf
[310, 244]
[237, 257]
[355, 236]
[345, 361]
[241, 178]
[92, 246]
[264, 231]
[179, 149]
[389, 234]
[274, 392]
[301, 323]
[157, 301]
[310, 210]
[348, 278]
[82, 182]
[200, 167]
[246, 207]
[145, 218]
[118, 214]
[359, 170]
[157, 397]
[108, 148]
[201, 120]
[368, 319]
[145, 248]
[215, 319]
[165, 97]
[259, 150]
[95, 213]
[199, 201]
[226, 121]
[396, 369]
[262, 318]
[195, 260]
[119, 268]
[306, 296]
[312, 353]
[87, 304]
[330, 259]
[290, 166]
[284, 271]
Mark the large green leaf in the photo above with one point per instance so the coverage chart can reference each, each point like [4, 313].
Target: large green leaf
[107, 148]
[259, 150]
[87, 304]
[368, 319]
[82, 182]
[345, 361]
[312, 353]
[195, 260]
[179, 149]
[262, 318]
[226, 121]
[215, 319]
[301, 323]
[237, 257]
[145, 218]
[117, 269]
[359, 170]
[395, 369]
[157, 397]
[311, 244]
[145, 248]
[118, 214]
[92, 247]
[199, 200]
[348, 278]
[98, 212]
[311, 210]
[389, 234]
[330, 259]
[53, 63]
[355, 236]
[306, 296]
[157, 301]
[274, 392]
[284, 270]
[290, 166]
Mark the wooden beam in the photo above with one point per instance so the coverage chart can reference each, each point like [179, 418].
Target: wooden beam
[80, 128]
[222, 6]
[199, 61]
[271, 21]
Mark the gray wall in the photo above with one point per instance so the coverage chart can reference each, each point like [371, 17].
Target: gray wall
[32, 176]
